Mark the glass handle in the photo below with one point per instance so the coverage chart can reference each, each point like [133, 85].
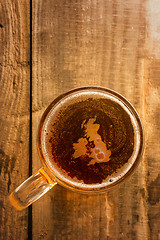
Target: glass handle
[31, 189]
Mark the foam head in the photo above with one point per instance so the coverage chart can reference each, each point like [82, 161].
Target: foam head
[90, 138]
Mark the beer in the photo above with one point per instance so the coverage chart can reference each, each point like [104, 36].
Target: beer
[88, 138]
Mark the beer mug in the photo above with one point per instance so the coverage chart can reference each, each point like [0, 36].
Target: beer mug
[89, 140]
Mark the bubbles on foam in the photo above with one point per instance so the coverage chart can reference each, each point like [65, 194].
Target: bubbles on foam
[91, 143]
[99, 152]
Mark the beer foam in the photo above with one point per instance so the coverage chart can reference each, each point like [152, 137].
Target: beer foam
[99, 152]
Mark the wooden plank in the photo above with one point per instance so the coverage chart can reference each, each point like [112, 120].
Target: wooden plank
[14, 114]
[113, 44]
[152, 117]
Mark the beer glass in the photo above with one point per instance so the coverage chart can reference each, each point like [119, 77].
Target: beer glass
[89, 140]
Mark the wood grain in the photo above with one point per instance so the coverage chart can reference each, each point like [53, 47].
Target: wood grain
[114, 44]
[14, 114]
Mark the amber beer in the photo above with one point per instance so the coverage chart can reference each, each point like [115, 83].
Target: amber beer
[89, 137]
[89, 140]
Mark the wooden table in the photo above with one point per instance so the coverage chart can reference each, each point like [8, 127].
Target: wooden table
[46, 48]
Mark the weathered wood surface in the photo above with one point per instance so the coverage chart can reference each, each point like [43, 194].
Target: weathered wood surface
[14, 112]
[113, 44]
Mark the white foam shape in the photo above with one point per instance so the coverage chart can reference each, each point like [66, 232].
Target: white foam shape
[99, 153]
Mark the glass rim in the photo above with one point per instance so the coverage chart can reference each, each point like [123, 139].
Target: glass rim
[112, 184]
